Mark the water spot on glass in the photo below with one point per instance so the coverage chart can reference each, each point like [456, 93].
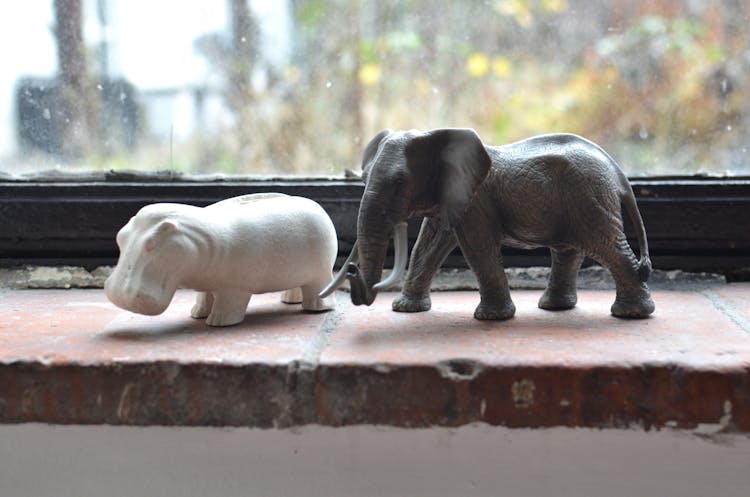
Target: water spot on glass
[643, 133]
[243, 39]
[729, 127]
[435, 90]
[123, 96]
[328, 84]
[46, 114]
[99, 87]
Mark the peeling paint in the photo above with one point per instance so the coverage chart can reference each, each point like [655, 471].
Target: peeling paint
[128, 405]
[27, 401]
[171, 370]
[523, 393]
[726, 419]
[64, 277]
[383, 368]
[459, 369]
[724, 423]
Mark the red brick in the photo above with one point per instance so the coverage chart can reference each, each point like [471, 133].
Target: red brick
[81, 326]
[71, 357]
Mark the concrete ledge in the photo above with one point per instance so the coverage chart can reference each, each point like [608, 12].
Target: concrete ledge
[70, 357]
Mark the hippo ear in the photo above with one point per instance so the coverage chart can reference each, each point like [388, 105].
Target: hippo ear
[371, 151]
[452, 163]
[164, 227]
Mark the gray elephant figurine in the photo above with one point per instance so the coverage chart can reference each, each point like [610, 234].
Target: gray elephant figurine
[559, 190]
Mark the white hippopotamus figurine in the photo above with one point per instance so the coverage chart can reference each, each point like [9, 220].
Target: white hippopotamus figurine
[227, 251]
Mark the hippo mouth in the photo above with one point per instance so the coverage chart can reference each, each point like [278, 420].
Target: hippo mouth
[136, 300]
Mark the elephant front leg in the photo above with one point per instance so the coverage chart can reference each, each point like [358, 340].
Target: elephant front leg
[433, 245]
[482, 252]
[561, 289]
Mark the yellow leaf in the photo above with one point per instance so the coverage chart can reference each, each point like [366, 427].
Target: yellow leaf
[369, 74]
[502, 67]
[555, 6]
[520, 10]
[478, 64]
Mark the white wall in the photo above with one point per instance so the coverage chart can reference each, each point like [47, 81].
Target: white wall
[59, 461]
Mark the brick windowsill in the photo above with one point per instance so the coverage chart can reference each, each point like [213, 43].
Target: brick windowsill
[69, 356]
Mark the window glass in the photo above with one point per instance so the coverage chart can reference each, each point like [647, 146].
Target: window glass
[300, 86]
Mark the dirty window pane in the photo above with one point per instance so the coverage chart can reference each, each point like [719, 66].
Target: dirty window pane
[299, 86]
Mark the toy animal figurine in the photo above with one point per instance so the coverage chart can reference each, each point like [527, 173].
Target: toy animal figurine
[227, 252]
[560, 191]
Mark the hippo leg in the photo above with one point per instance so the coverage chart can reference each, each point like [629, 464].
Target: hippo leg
[229, 308]
[204, 301]
[292, 296]
[311, 301]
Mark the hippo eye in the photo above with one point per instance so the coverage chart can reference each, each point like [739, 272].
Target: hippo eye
[149, 245]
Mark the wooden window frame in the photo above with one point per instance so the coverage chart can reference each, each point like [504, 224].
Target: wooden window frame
[693, 223]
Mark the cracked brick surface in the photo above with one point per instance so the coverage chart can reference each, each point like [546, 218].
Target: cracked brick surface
[69, 356]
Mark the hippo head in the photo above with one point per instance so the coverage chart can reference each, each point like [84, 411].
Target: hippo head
[152, 254]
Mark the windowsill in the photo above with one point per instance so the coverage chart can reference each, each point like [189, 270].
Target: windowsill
[70, 357]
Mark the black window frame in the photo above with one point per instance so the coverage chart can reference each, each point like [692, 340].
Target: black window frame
[693, 223]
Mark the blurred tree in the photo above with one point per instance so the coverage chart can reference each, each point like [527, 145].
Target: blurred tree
[78, 97]
[243, 53]
[660, 84]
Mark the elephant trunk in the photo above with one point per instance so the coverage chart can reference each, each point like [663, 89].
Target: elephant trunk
[363, 290]
[364, 279]
[361, 293]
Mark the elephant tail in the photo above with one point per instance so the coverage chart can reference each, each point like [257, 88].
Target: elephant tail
[629, 204]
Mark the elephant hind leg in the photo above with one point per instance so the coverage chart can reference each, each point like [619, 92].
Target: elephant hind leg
[633, 299]
[560, 293]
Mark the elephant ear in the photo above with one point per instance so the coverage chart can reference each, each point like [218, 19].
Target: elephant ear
[371, 150]
[452, 163]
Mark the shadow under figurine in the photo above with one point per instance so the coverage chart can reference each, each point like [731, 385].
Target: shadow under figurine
[227, 251]
[558, 191]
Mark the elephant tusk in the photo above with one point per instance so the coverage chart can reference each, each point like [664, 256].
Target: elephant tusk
[341, 276]
[400, 244]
